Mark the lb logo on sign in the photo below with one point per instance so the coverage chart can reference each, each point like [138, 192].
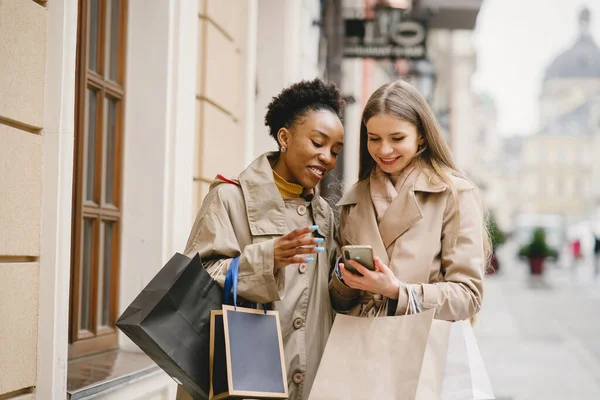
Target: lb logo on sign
[385, 36]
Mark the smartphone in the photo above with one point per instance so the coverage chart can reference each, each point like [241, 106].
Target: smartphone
[360, 254]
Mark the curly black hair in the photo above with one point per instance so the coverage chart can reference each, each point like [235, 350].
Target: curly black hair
[295, 101]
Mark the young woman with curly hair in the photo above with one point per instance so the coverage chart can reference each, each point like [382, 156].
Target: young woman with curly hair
[272, 217]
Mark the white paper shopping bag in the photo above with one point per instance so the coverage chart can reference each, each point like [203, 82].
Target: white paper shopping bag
[465, 377]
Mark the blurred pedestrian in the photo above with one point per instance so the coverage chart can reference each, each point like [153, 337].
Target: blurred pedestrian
[596, 256]
[575, 255]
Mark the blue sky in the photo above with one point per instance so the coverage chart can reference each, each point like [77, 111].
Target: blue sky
[515, 41]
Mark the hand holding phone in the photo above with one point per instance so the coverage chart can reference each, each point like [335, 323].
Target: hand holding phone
[361, 254]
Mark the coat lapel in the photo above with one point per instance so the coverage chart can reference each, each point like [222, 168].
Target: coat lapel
[266, 208]
[361, 225]
[321, 214]
[404, 211]
[401, 215]
[264, 205]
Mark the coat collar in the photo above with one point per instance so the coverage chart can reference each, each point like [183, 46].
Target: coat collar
[420, 183]
[265, 206]
[400, 216]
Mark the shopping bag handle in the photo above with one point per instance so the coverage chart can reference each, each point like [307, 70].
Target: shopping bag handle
[231, 282]
[414, 304]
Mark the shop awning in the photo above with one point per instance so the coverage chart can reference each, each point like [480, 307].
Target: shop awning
[452, 14]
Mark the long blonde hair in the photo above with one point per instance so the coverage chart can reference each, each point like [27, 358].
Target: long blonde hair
[401, 100]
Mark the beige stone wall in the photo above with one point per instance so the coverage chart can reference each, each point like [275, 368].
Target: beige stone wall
[219, 145]
[22, 70]
[558, 175]
[561, 96]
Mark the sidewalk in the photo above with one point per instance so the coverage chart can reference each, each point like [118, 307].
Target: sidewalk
[540, 339]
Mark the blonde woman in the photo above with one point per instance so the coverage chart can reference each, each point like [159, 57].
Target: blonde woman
[423, 219]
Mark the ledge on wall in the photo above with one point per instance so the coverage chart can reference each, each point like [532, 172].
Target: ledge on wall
[89, 377]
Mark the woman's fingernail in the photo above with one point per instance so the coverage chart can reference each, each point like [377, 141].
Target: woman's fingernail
[309, 259]
[314, 227]
[319, 240]
[319, 249]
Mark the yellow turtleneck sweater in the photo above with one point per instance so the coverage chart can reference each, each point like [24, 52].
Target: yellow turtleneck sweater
[286, 189]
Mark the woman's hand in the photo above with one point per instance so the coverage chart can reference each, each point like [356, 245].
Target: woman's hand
[381, 281]
[288, 247]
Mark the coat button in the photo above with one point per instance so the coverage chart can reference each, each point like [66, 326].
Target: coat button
[301, 209]
[298, 378]
[298, 323]
[302, 268]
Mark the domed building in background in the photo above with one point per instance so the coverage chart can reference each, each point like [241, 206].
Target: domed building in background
[561, 170]
[581, 60]
[571, 83]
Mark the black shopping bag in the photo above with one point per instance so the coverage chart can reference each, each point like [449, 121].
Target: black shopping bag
[170, 321]
[246, 353]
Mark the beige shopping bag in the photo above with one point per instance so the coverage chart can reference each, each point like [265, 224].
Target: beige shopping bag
[434, 362]
[373, 358]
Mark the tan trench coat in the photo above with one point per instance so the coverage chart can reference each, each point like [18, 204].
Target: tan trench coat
[424, 242]
[244, 220]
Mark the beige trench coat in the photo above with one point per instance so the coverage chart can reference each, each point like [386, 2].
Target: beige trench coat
[424, 241]
[244, 220]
